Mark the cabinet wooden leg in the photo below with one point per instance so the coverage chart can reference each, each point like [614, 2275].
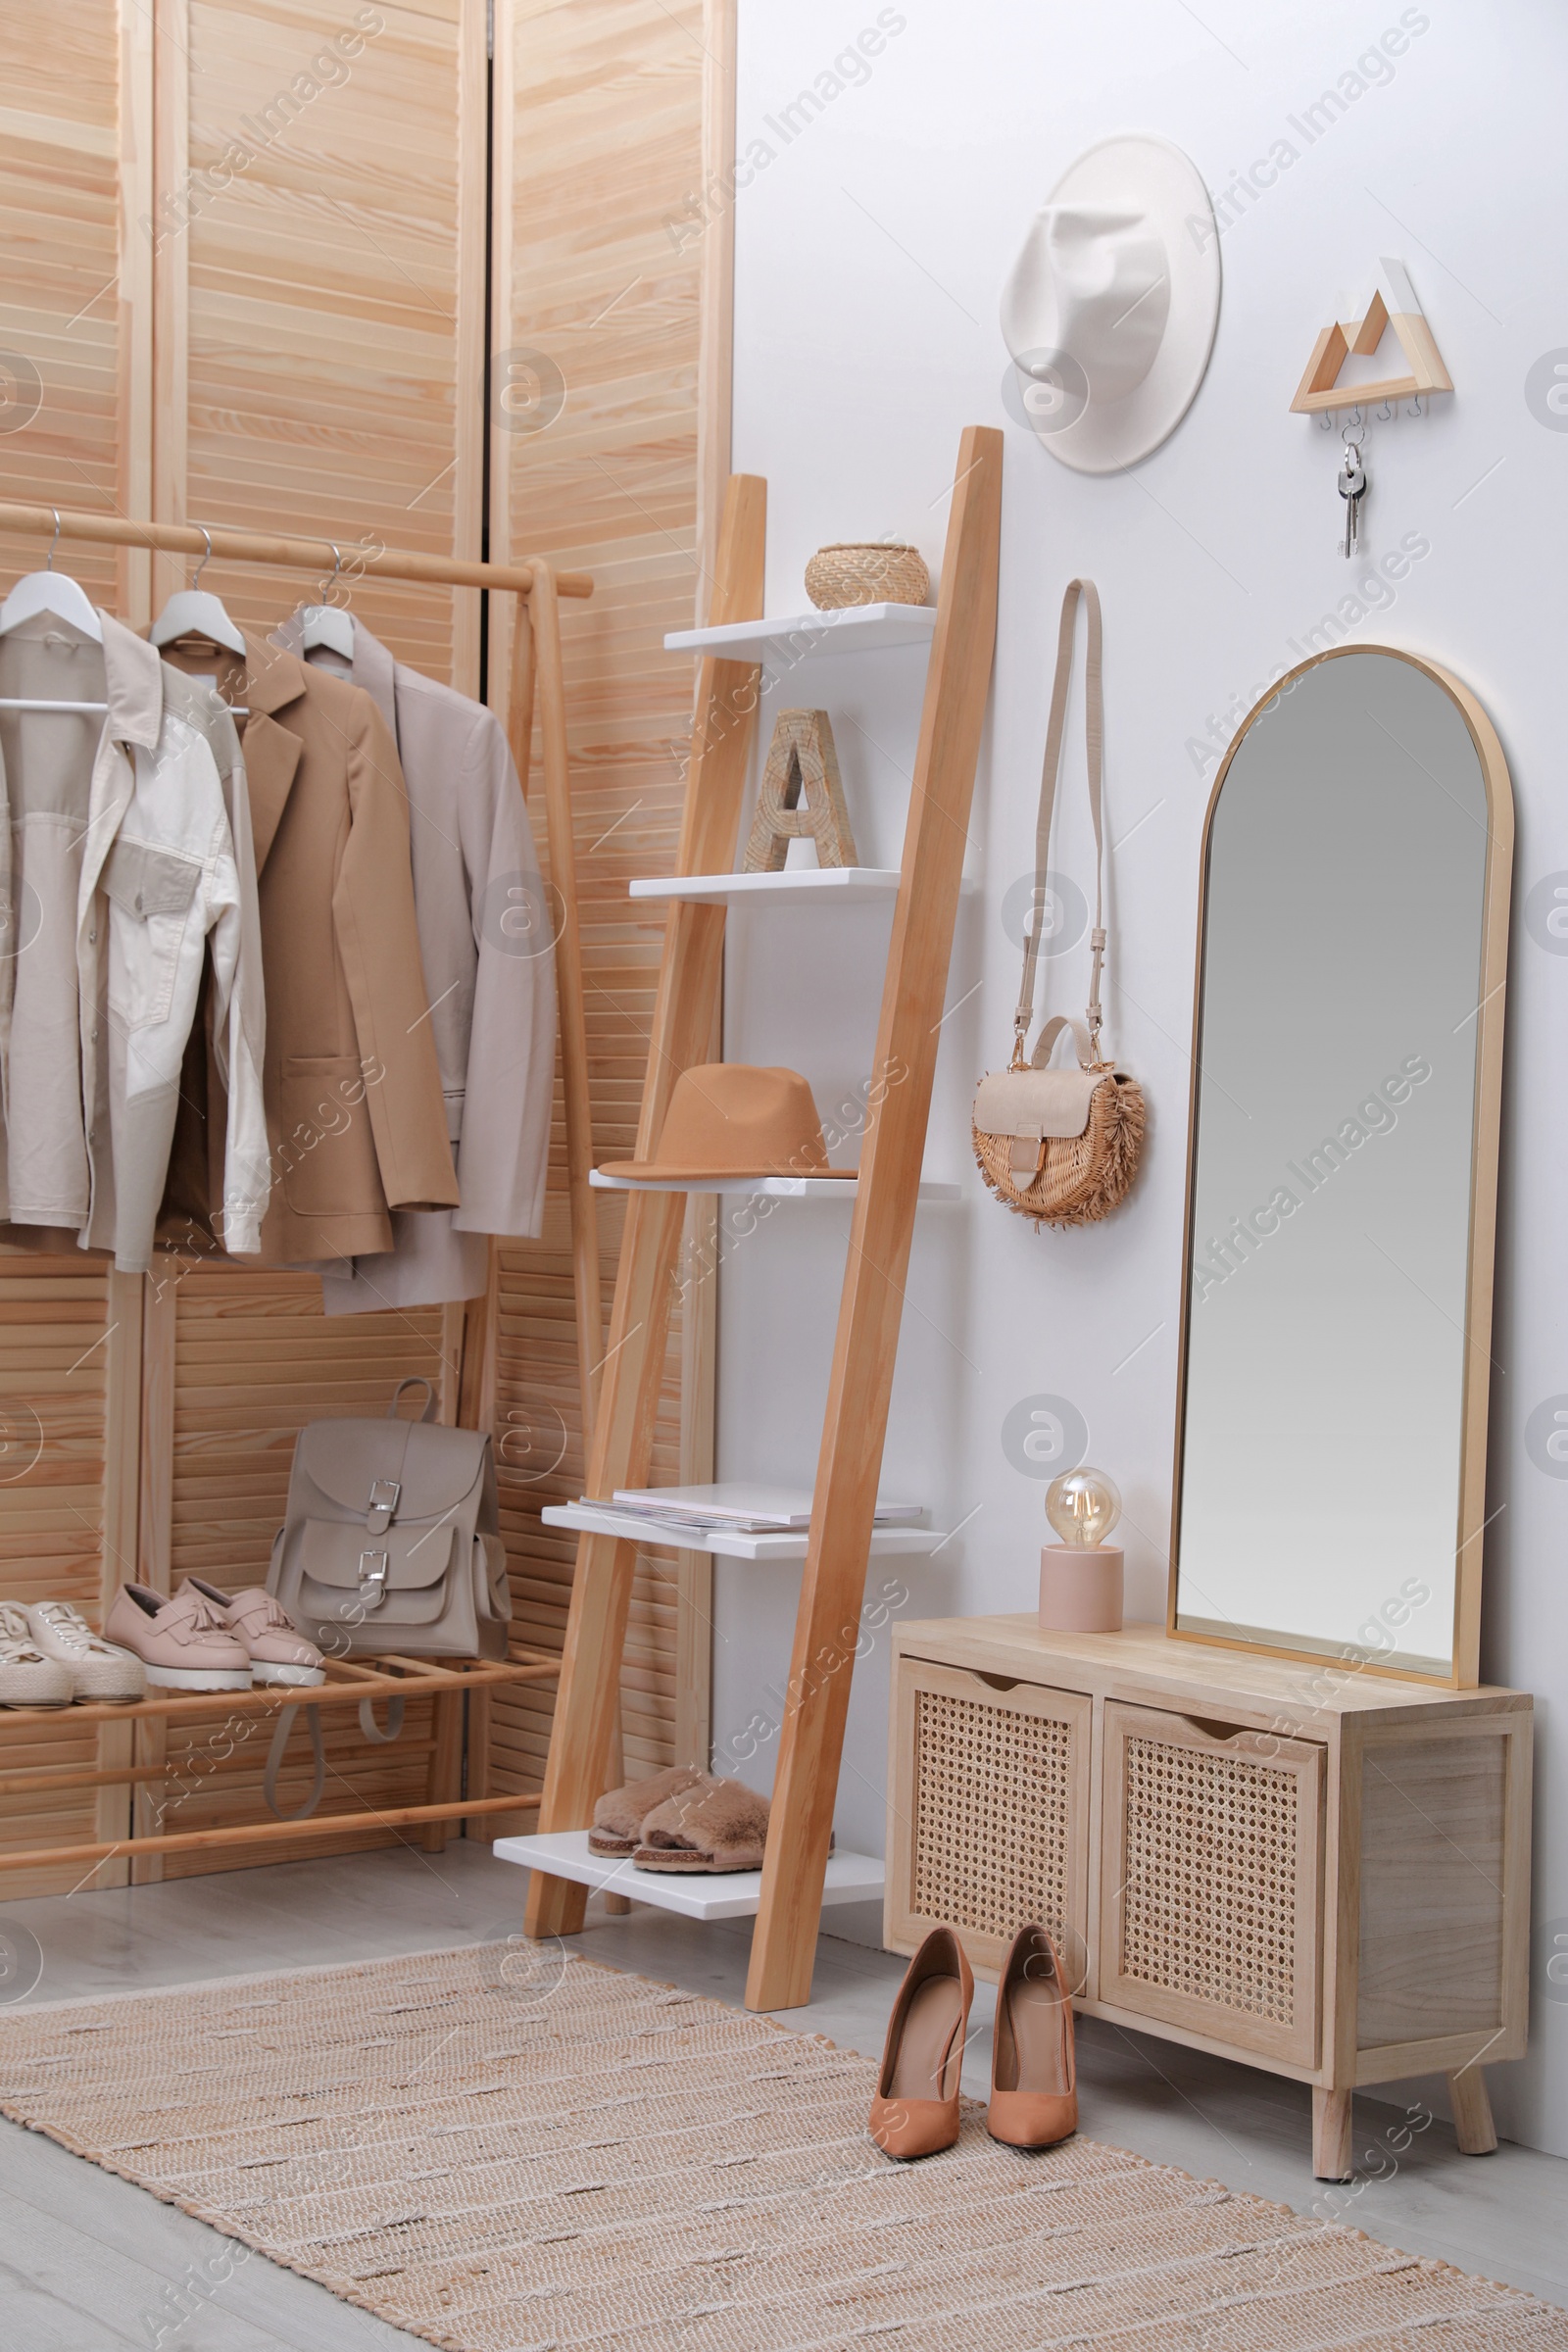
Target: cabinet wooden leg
[1330, 2134]
[1472, 2112]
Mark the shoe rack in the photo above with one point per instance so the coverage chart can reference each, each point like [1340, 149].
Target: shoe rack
[236, 1717]
[962, 634]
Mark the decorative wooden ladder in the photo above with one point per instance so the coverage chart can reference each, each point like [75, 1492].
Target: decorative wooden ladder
[854, 1424]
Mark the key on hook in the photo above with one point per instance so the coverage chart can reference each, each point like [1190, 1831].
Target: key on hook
[1352, 489]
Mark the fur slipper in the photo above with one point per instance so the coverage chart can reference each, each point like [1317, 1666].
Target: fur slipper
[618, 1817]
[716, 1826]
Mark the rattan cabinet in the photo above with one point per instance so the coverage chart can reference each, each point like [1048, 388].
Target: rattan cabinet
[1311, 1868]
[999, 1829]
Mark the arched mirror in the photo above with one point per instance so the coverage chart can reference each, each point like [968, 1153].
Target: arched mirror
[1342, 1173]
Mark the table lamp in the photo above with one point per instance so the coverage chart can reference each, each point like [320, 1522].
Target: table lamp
[1081, 1576]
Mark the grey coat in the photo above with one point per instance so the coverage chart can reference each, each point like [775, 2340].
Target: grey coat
[487, 943]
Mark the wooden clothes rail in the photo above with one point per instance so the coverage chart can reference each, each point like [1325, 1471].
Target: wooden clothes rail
[287, 555]
[536, 672]
[536, 667]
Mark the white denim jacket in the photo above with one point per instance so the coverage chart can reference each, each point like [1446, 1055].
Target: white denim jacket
[117, 869]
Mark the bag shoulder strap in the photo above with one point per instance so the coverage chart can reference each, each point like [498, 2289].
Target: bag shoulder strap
[1046, 1041]
[415, 1380]
[1095, 731]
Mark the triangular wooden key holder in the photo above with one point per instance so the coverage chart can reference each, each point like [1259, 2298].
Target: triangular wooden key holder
[802, 797]
[1394, 305]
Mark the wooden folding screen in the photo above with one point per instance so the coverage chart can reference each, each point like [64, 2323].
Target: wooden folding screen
[321, 321]
[243, 280]
[75, 347]
[68, 360]
[611, 407]
[318, 327]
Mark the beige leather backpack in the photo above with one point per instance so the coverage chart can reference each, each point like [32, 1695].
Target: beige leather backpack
[392, 1539]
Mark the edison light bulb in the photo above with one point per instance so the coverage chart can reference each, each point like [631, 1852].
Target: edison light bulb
[1083, 1507]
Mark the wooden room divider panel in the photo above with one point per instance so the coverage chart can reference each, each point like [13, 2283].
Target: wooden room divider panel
[244, 283]
[321, 315]
[609, 424]
[237, 1364]
[318, 283]
[76, 322]
[56, 1362]
[76, 380]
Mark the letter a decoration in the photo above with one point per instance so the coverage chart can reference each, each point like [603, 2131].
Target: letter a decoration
[802, 797]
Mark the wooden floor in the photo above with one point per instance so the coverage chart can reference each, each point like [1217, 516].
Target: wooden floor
[88, 2263]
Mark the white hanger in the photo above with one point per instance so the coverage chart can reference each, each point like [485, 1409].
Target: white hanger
[50, 591]
[196, 612]
[327, 625]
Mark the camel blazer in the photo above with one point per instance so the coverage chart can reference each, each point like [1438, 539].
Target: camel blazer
[355, 1113]
[488, 946]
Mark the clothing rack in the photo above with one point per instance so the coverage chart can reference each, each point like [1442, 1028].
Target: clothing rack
[536, 666]
[285, 555]
[354, 1682]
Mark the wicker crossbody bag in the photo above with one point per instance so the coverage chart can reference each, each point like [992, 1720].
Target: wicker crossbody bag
[1061, 1145]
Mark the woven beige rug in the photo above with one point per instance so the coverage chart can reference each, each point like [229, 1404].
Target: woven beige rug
[505, 2149]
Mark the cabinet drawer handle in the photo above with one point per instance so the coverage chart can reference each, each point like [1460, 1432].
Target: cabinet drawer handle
[1222, 1734]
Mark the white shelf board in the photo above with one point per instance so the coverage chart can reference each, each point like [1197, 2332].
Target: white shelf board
[732, 1894]
[789, 1544]
[856, 629]
[769, 1187]
[846, 884]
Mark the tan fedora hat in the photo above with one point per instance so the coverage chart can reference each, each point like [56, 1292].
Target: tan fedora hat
[729, 1118]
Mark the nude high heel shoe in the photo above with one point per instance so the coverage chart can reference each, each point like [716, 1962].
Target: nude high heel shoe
[915, 2111]
[1034, 2088]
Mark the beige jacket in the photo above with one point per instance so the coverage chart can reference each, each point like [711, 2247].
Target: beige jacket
[117, 864]
[354, 1104]
[488, 946]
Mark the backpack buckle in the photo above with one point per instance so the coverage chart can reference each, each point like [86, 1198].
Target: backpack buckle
[383, 1502]
[373, 1577]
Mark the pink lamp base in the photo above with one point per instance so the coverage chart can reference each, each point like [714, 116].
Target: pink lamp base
[1080, 1592]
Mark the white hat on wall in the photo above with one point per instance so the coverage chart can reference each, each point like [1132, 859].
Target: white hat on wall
[1110, 308]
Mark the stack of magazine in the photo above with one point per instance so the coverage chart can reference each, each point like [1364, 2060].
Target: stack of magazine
[736, 1507]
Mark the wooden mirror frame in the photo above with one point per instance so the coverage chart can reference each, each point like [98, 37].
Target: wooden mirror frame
[1465, 1656]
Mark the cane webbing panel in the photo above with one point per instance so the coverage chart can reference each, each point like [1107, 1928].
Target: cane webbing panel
[992, 1810]
[1209, 1876]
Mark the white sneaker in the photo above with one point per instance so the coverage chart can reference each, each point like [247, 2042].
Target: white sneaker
[98, 1670]
[27, 1678]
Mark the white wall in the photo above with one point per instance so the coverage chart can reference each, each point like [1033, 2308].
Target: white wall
[871, 247]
